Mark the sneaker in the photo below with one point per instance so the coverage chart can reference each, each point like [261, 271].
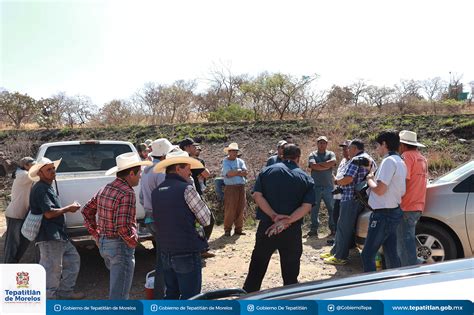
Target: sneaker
[325, 255]
[240, 233]
[334, 261]
[207, 255]
[227, 233]
[71, 296]
[312, 233]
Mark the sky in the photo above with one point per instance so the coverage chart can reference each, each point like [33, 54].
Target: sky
[110, 49]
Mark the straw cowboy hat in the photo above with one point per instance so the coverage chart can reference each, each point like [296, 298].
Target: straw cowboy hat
[125, 161]
[33, 172]
[409, 137]
[161, 147]
[232, 147]
[177, 157]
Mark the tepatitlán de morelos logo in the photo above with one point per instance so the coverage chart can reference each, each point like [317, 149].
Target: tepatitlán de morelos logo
[23, 295]
[22, 279]
[22, 289]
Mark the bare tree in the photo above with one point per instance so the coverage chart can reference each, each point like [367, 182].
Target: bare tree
[434, 88]
[226, 85]
[50, 112]
[407, 92]
[311, 103]
[115, 113]
[148, 100]
[177, 101]
[378, 96]
[358, 89]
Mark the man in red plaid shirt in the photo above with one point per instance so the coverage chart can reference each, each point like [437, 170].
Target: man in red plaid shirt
[115, 230]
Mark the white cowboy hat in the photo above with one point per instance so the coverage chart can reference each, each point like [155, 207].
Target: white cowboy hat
[33, 172]
[125, 161]
[409, 137]
[161, 147]
[177, 157]
[233, 146]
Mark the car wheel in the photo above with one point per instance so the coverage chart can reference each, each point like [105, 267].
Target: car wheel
[434, 243]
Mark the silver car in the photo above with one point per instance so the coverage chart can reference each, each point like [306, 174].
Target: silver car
[446, 229]
[443, 281]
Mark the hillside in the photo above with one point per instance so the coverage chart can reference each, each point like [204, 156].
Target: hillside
[449, 140]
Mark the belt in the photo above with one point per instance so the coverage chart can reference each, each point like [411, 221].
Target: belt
[386, 209]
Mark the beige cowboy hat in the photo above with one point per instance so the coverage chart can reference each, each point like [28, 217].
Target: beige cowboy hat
[125, 161]
[409, 137]
[177, 157]
[232, 147]
[161, 147]
[33, 172]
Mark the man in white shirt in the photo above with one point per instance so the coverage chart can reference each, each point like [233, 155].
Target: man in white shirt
[15, 243]
[386, 190]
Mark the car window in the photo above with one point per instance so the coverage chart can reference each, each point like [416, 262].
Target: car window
[456, 173]
[465, 186]
[86, 157]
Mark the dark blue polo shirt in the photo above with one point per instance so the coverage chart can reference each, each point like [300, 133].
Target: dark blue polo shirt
[285, 187]
[43, 198]
[274, 159]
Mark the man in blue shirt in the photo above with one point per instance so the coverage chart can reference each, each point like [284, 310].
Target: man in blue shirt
[277, 158]
[234, 172]
[284, 194]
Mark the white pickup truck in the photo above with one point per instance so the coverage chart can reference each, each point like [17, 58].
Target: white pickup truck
[81, 174]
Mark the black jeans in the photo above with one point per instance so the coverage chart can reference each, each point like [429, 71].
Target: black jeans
[336, 211]
[15, 243]
[159, 285]
[289, 246]
[208, 229]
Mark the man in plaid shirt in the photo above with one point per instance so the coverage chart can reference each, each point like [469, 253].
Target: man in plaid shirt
[115, 230]
[356, 171]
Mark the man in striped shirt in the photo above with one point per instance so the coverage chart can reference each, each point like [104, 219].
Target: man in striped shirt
[115, 230]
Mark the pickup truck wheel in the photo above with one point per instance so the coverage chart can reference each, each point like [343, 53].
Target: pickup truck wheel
[434, 243]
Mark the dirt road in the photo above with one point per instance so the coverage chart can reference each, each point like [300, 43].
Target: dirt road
[228, 269]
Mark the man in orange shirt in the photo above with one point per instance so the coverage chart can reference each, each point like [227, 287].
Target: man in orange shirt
[413, 202]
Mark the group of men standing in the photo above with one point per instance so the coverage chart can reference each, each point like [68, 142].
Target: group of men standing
[284, 194]
[396, 196]
[172, 180]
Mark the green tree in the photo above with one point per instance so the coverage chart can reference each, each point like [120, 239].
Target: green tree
[17, 107]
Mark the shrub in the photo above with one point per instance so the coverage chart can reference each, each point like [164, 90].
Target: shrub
[233, 112]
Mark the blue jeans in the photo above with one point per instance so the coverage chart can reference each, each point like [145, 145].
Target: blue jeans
[62, 262]
[15, 243]
[406, 238]
[382, 231]
[120, 260]
[349, 211]
[183, 275]
[324, 193]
